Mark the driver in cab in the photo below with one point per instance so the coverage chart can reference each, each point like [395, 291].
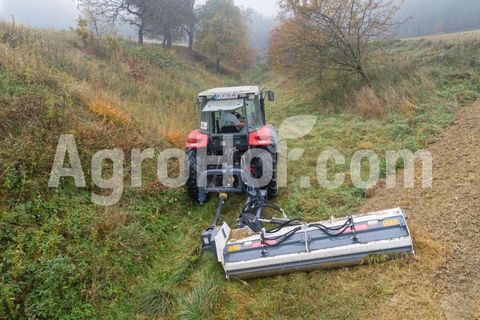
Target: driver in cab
[231, 122]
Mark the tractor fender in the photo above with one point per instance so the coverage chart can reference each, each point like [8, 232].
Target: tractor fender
[275, 140]
[266, 136]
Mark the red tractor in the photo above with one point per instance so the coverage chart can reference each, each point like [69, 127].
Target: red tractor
[233, 122]
[232, 151]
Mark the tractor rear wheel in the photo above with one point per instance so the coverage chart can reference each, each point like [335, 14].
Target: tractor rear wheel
[272, 187]
[193, 190]
[270, 157]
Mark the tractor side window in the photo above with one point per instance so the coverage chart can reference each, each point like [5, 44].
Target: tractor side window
[205, 122]
[210, 122]
[254, 114]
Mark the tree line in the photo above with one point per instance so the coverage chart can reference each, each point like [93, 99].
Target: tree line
[216, 28]
[153, 18]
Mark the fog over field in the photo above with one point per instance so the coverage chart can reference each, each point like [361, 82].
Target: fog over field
[265, 7]
[439, 16]
[424, 16]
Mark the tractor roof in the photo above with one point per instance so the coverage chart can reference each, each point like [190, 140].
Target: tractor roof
[229, 93]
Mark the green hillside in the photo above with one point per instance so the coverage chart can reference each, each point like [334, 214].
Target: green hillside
[64, 258]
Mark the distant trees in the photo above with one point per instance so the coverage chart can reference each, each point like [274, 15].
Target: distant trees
[218, 24]
[156, 18]
[191, 22]
[223, 34]
[167, 19]
[95, 23]
[133, 12]
[90, 26]
[318, 35]
[292, 54]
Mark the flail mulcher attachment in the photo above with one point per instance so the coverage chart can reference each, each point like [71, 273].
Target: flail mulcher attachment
[295, 245]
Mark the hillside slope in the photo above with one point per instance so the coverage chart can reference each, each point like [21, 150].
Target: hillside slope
[63, 257]
[419, 96]
[456, 36]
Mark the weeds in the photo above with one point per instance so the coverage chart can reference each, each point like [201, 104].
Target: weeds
[198, 303]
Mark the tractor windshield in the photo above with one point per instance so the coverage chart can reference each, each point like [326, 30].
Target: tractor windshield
[231, 116]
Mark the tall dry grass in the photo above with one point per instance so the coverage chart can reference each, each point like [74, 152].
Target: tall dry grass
[368, 104]
[371, 104]
[388, 97]
[109, 112]
[161, 101]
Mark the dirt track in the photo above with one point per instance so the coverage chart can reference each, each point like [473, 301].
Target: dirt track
[449, 213]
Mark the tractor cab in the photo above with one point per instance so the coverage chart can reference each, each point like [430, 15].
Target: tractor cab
[218, 106]
[235, 112]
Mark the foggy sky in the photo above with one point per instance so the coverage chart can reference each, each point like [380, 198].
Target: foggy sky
[45, 13]
[62, 14]
[265, 7]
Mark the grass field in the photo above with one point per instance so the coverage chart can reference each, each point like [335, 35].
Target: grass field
[63, 257]
[454, 36]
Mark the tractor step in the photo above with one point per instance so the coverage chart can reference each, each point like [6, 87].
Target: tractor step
[305, 247]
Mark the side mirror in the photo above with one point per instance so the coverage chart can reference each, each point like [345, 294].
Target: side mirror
[271, 96]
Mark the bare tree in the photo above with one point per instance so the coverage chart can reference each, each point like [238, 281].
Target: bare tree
[341, 31]
[95, 22]
[191, 21]
[133, 12]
